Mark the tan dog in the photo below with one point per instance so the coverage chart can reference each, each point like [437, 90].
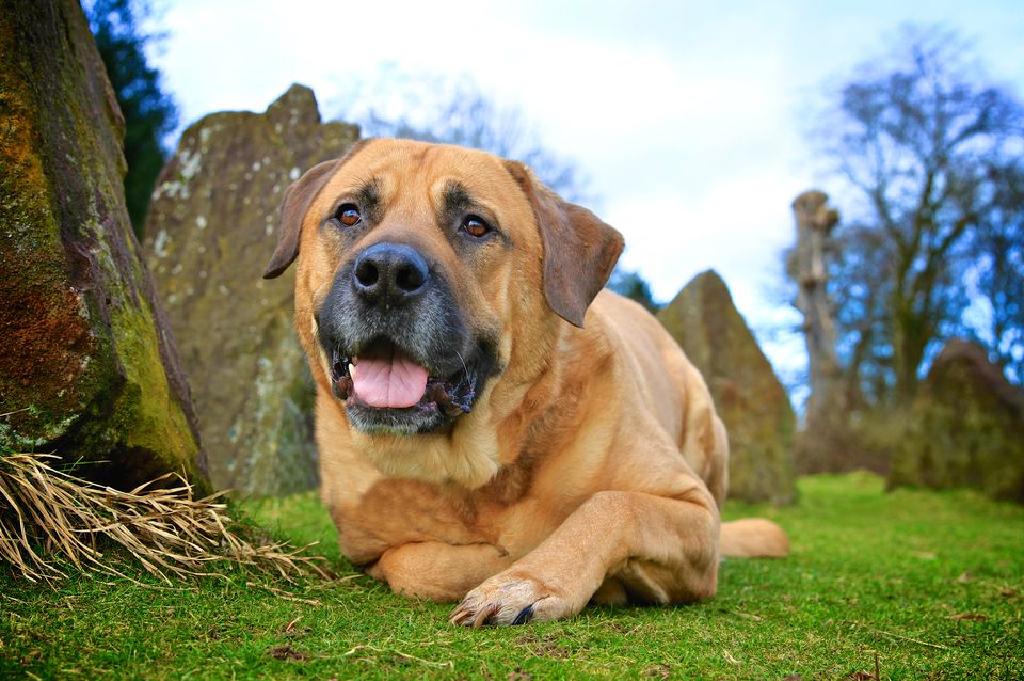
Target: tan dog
[493, 426]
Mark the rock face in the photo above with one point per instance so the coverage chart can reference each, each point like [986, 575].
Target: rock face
[749, 398]
[211, 228]
[88, 368]
[966, 428]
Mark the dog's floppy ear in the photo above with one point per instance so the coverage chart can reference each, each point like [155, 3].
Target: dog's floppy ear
[580, 249]
[297, 200]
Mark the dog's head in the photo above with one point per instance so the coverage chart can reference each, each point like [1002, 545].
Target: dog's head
[425, 271]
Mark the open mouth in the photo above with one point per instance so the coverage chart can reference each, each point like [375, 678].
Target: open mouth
[382, 376]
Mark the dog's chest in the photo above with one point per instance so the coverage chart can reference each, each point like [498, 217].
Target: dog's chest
[396, 511]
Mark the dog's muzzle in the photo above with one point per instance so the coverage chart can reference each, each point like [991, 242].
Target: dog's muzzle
[401, 356]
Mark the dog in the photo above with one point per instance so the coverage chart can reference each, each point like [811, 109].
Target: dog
[495, 428]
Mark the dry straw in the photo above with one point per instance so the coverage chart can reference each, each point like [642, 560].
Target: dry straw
[47, 515]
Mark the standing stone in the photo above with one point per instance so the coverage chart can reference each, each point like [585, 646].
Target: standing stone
[749, 398]
[88, 368]
[965, 428]
[211, 226]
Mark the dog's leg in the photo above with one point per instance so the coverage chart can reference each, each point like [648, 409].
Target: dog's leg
[437, 571]
[671, 544]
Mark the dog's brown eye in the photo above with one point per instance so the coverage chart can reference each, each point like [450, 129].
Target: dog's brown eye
[475, 227]
[347, 214]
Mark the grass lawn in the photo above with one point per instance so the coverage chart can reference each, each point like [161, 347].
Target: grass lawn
[930, 583]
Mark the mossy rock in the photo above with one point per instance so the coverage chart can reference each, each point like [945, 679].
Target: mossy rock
[88, 369]
[749, 398]
[964, 429]
[210, 229]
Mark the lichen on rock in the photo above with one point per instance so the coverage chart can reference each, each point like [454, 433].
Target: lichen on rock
[749, 398]
[211, 228]
[86, 370]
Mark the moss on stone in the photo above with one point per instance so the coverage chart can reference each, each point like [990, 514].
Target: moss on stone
[151, 420]
[44, 318]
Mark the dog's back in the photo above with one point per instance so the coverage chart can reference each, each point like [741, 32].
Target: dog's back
[667, 386]
[672, 390]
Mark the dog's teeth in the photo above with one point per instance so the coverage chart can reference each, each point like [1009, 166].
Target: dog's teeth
[352, 371]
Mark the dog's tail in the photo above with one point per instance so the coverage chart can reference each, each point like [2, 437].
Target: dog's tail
[753, 538]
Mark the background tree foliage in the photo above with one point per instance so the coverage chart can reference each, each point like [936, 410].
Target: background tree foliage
[149, 112]
[631, 284]
[929, 161]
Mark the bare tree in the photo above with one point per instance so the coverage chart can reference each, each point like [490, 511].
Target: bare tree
[1001, 273]
[931, 161]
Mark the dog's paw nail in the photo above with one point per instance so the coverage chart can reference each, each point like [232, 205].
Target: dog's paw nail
[468, 616]
[524, 616]
[461, 615]
[485, 614]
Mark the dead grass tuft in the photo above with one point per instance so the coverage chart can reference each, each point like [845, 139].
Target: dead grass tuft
[47, 515]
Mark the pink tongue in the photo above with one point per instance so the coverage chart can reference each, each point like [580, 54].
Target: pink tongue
[395, 383]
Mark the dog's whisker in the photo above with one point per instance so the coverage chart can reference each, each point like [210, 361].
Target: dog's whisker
[462, 359]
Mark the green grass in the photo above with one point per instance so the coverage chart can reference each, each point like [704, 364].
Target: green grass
[931, 583]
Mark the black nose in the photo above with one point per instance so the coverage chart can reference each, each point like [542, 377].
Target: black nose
[390, 273]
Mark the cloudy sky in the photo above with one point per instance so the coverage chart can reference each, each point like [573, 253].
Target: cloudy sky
[687, 116]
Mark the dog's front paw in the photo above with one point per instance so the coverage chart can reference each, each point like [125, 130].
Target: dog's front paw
[510, 598]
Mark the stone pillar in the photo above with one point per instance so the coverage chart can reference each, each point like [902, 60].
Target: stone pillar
[749, 398]
[965, 428]
[88, 368]
[210, 230]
